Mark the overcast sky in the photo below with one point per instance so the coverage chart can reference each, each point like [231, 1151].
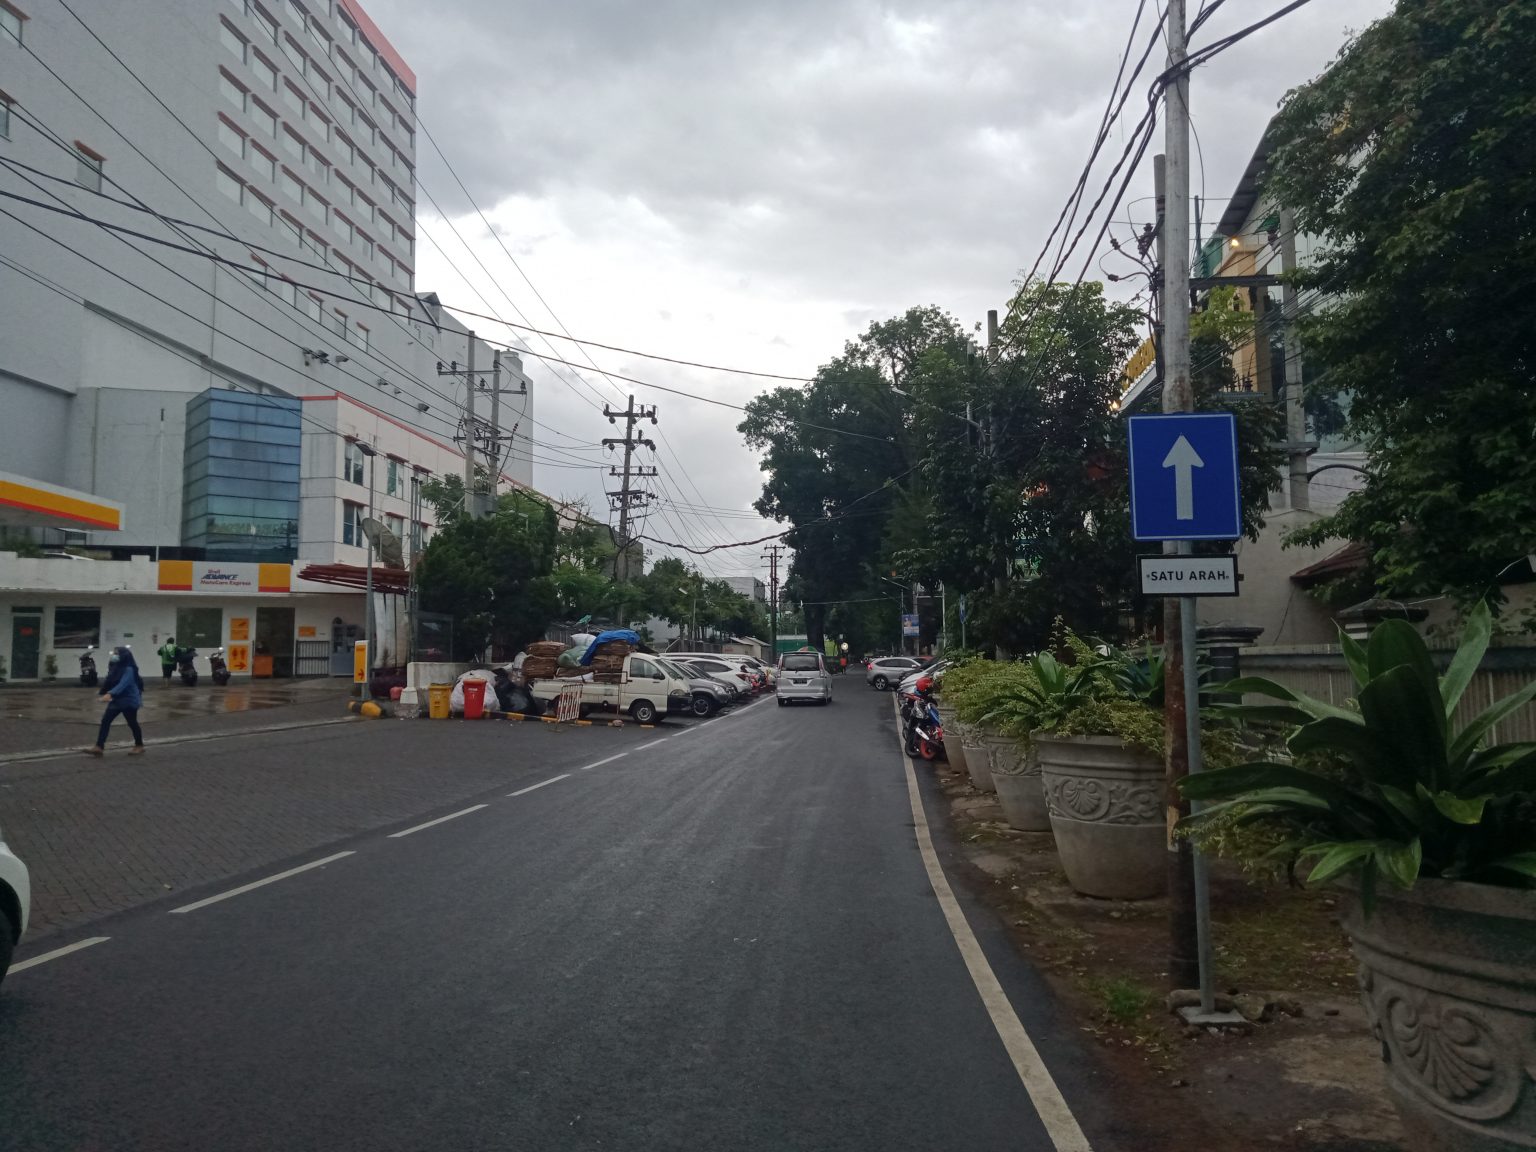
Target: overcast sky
[751, 183]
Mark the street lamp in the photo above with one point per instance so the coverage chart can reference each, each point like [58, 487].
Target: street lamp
[371, 452]
[915, 640]
[693, 628]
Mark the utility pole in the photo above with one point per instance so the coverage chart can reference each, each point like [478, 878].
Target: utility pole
[493, 446]
[994, 350]
[1297, 447]
[470, 435]
[772, 556]
[1189, 961]
[627, 497]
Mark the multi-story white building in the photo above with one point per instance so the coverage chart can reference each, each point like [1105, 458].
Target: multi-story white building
[207, 254]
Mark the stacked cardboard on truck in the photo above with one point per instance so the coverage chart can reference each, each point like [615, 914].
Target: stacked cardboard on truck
[608, 661]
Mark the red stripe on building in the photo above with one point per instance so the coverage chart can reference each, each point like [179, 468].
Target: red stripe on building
[380, 43]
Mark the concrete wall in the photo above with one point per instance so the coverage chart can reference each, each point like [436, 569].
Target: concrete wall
[1268, 598]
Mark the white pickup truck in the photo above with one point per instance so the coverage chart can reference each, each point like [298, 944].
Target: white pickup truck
[647, 689]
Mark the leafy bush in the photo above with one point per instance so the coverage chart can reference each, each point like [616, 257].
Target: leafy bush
[1418, 797]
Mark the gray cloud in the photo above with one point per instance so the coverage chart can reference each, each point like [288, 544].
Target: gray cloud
[866, 155]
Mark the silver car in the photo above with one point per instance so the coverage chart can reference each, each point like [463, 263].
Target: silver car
[887, 670]
[804, 676]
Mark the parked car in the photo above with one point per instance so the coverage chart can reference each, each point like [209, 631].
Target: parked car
[15, 904]
[732, 682]
[929, 667]
[887, 670]
[804, 676]
[715, 663]
[709, 696]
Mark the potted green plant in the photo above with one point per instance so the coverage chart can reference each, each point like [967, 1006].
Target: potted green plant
[1101, 763]
[975, 690]
[1393, 789]
[1044, 693]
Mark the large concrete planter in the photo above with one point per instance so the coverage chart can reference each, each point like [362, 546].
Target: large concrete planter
[975, 753]
[1448, 979]
[954, 745]
[1020, 789]
[1106, 809]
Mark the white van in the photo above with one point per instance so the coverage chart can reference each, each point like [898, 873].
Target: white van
[803, 676]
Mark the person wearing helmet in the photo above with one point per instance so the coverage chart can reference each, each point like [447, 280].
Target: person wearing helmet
[123, 694]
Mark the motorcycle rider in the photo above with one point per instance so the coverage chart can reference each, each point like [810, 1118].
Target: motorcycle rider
[167, 654]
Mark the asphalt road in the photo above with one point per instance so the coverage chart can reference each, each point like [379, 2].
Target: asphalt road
[723, 937]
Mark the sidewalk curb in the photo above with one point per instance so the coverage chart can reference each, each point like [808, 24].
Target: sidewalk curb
[190, 738]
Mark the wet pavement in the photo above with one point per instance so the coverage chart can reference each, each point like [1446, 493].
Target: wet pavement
[35, 719]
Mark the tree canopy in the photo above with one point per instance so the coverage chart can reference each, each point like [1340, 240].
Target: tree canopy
[1411, 158]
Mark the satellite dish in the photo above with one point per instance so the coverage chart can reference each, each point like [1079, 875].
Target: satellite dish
[386, 545]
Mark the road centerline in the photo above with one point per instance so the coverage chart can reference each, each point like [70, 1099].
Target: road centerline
[652, 744]
[439, 820]
[600, 763]
[262, 883]
[540, 784]
[23, 965]
[1050, 1105]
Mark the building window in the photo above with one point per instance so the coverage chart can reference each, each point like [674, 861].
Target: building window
[200, 627]
[232, 40]
[229, 185]
[394, 477]
[232, 92]
[76, 627]
[352, 523]
[293, 98]
[265, 69]
[311, 305]
[396, 525]
[292, 186]
[265, 117]
[88, 166]
[268, 23]
[231, 138]
[258, 207]
[5, 118]
[358, 336]
[10, 24]
[262, 162]
[337, 322]
[352, 463]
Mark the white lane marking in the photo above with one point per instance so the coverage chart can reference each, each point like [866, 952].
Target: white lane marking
[685, 731]
[1060, 1125]
[259, 883]
[56, 953]
[540, 784]
[652, 744]
[600, 763]
[439, 820]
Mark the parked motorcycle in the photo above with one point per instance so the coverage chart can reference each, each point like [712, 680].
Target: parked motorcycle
[922, 731]
[88, 667]
[185, 664]
[217, 668]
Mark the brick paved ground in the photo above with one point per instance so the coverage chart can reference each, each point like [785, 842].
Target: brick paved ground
[101, 836]
[66, 716]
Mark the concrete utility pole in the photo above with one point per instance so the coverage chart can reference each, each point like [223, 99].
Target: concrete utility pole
[627, 497]
[470, 436]
[994, 351]
[1189, 961]
[493, 451]
[1297, 447]
[772, 556]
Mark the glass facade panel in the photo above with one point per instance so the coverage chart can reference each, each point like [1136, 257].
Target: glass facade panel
[241, 476]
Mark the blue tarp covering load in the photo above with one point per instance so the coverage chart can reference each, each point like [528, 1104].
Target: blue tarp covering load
[624, 635]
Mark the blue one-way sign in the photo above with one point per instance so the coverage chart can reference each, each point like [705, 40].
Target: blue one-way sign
[1184, 477]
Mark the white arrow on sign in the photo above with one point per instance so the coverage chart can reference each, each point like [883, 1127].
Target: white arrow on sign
[1182, 457]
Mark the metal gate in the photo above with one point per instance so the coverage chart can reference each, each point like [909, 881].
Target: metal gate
[312, 658]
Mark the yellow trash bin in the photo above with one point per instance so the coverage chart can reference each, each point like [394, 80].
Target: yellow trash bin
[438, 698]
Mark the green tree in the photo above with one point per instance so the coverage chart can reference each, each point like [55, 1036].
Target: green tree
[1411, 157]
[493, 575]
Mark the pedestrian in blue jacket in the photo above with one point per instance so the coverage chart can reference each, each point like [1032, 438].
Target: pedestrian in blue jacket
[123, 694]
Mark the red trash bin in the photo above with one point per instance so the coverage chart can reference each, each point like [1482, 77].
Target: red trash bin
[474, 699]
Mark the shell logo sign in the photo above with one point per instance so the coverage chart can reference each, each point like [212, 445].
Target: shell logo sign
[205, 577]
